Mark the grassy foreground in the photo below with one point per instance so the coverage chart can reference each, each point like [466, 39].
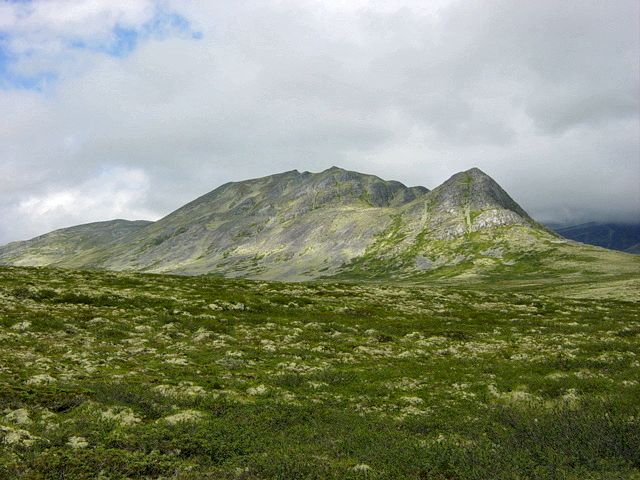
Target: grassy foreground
[112, 375]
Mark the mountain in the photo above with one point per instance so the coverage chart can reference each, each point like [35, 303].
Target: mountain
[66, 243]
[615, 236]
[336, 223]
[291, 225]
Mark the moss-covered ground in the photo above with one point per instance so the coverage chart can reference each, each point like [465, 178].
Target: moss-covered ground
[116, 375]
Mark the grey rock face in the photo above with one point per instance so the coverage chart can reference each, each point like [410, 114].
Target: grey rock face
[467, 202]
[496, 218]
[291, 225]
[475, 190]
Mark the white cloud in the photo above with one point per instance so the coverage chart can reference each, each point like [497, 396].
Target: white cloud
[541, 96]
[117, 191]
[114, 193]
[31, 24]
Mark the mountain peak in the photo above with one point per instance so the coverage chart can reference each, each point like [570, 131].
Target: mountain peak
[476, 173]
[475, 191]
[473, 174]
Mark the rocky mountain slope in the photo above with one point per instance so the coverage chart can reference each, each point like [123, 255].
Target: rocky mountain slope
[338, 223]
[292, 225]
[66, 243]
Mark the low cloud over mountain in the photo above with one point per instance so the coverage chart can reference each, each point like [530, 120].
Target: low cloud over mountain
[129, 109]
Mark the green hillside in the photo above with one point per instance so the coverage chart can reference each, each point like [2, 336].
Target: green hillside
[65, 244]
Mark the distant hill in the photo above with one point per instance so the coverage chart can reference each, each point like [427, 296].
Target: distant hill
[615, 236]
[336, 223]
[66, 243]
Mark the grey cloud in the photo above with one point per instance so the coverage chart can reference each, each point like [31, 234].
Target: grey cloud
[541, 95]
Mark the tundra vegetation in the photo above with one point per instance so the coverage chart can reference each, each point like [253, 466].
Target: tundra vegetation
[129, 375]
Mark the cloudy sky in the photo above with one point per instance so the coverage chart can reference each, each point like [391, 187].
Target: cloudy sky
[128, 109]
